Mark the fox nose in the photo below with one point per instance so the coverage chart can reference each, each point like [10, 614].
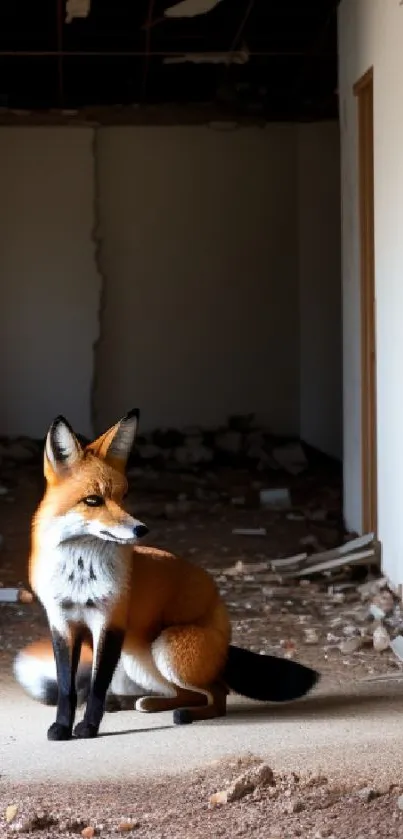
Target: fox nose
[140, 530]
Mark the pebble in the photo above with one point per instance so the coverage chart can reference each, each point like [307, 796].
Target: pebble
[127, 826]
[367, 794]
[381, 639]
[11, 812]
[351, 645]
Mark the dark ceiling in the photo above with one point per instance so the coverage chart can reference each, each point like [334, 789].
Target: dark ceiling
[116, 56]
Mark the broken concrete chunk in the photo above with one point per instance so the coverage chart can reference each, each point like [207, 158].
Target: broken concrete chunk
[15, 595]
[275, 499]
[384, 602]
[376, 612]
[291, 457]
[381, 639]
[259, 776]
[367, 794]
[351, 645]
[9, 595]
[311, 636]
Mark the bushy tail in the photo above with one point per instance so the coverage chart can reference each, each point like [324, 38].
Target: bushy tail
[262, 677]
[35, 670]
[266, 677]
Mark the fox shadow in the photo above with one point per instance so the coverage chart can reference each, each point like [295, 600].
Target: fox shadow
[319, 706]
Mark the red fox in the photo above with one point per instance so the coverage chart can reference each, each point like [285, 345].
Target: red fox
[127, 621]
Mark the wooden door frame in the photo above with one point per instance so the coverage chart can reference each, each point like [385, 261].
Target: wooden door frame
[363, 90]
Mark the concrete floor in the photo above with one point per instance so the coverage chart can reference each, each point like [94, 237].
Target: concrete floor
[357, 734]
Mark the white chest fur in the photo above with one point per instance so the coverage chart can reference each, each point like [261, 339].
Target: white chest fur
[79, 578]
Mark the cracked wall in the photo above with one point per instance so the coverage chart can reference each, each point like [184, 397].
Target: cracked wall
[159, 267]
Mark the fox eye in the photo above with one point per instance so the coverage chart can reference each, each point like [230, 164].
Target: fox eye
[93, 501]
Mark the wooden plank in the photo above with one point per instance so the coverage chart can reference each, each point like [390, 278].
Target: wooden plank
[363, 89]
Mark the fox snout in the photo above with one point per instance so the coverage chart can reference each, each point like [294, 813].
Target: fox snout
[129, 533]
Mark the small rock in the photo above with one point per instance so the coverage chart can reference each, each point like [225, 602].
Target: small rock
[296, 806]
[400, 802]
[243, 785]
[127, 826]
[376, 612]
[3, 490]
[367, 794]
[25, 596]
[384, 601]
[381, 639]
[275, 499]
[88, 832]
[193, 453]
[311, 636]
[351, 645]
[11, 812]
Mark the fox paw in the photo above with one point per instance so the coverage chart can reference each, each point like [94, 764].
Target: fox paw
[59, 732]
[85, 731]
[182, 716]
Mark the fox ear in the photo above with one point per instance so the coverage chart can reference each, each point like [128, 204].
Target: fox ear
[116, 444]
[62, 449]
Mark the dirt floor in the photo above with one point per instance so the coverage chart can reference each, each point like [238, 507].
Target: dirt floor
[323, 621]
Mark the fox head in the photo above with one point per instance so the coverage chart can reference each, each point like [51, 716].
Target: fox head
[86, 486]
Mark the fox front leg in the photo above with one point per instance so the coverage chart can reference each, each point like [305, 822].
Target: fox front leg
[67, 655]
[107, 652]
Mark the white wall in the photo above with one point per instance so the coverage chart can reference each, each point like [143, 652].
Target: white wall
[199, 248]
[371, 34]
[320, 286]
[48, 282]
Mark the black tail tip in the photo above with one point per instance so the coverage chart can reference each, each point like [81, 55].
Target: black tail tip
[267, 678]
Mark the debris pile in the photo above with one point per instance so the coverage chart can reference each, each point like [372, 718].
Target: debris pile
[240, 444]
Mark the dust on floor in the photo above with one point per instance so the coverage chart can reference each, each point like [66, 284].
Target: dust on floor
[230, 798]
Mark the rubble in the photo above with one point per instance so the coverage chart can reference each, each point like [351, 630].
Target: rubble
[245, 784]
[295, 584]
[381, 639]
[291, 457]
[275, 499]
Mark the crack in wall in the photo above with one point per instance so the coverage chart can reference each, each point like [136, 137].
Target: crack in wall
[97, 239]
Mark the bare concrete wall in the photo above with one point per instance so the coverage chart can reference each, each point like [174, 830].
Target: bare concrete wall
[48, 282]
[199, 233]
[207, 253]
[319, 232]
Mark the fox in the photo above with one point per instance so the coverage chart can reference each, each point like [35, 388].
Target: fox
[128, 623]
